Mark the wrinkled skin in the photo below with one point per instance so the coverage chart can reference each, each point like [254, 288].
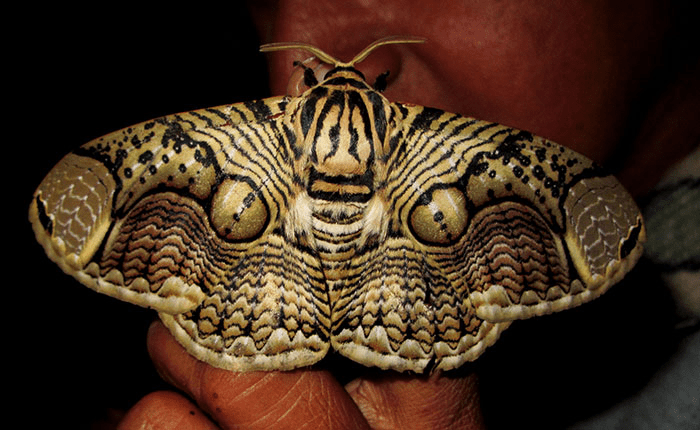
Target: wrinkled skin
[600, 77]
[304, 398]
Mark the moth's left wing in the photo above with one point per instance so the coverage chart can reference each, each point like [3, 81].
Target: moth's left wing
[183, 214]
[91, 200]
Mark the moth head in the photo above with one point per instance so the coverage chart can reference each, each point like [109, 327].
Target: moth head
[328, 59]
[343, 123]
[314, 67]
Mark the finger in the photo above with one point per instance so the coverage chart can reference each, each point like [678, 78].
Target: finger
[398, 401]
[296, 399]
[164, 410]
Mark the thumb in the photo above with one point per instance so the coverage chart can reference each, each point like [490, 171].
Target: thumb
[436, 401]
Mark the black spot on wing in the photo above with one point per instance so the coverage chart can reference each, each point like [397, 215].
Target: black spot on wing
[631, 242]
[44, 218]
[259, 109]
[425, 118]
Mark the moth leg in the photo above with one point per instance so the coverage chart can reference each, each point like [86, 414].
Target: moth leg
[381, 82]
[309, 76]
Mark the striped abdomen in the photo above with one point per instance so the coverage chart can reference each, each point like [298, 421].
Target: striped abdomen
[343, 125]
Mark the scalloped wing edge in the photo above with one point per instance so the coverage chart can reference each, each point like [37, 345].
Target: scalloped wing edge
[174, 296]
[494, 305]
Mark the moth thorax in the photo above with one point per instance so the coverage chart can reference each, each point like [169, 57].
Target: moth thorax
[343, 143]
[342, 150]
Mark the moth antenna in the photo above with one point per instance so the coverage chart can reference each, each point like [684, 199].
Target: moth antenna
[389, 40]
[326, 58]
[279, 46]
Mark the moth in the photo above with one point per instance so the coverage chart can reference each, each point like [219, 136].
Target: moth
[270, 232]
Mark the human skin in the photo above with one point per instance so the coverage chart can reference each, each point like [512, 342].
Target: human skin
[304, 398]
[593, 76]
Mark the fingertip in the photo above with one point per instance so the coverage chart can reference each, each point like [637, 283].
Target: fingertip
[165, 410]
[170, 359]
[156, 332]
[410, 401]
[254, 399]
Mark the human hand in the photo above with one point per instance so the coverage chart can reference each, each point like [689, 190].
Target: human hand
[304, 398]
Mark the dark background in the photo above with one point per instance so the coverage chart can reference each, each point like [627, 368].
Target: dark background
[81, 357]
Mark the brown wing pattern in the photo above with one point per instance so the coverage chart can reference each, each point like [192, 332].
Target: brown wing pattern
[404, 237]
[514, 225]
[182, 214]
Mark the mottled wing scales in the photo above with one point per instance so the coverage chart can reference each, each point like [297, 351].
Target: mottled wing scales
[460, 335]
[600, 243]
[603, 228]
[71, 210]
[161, 253]
[82, 209]
[382, 317]
[270, 312]
[401, 312]
[515, 265]
[178, 214]
[500, 214]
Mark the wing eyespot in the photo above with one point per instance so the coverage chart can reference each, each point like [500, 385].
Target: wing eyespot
[441, 217]
[238, 211]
